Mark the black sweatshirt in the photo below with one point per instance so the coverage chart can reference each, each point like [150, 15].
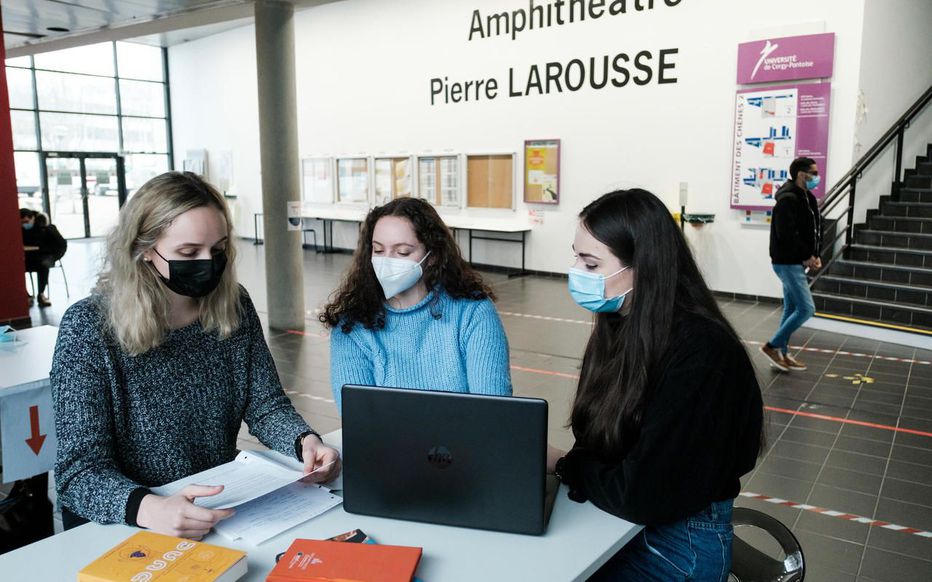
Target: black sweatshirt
[47, 238]
[700, 432]
[795, 227]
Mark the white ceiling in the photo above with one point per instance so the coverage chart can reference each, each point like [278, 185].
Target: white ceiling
[32, 26]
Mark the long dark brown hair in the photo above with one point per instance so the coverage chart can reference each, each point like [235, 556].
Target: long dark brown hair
[359, 298]
[623, 353]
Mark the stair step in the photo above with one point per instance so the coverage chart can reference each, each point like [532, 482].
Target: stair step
[900, 224]
[890, 255]
[914, 209]
[916, 194]
[893, 239]
[882, 272]
[895, 293]
[917, 179]
[881, 311]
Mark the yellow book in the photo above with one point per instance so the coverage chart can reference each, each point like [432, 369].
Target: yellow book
[152, 557]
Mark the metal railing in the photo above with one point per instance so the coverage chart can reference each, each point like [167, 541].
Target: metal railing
[845, 190]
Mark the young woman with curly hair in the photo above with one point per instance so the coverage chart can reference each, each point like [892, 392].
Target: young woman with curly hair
[411, 313]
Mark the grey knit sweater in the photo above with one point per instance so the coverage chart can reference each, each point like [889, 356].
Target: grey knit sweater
[126, 423]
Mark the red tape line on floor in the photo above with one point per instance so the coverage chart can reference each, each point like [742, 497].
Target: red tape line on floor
[749, 342]
[838, 514]
[825, 417]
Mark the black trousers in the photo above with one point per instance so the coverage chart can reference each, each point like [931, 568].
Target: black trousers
[40, 264]
[71, 520]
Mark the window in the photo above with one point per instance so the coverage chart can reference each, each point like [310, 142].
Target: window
[141, 167]
[144, 135]
[95, 59]
[490, 181]
[78, 133]
[19, 84]
[438, 180]
[392, 179]
[353, 180]
[142, 98]
[139, 61]
[27, 180]
[75, 93]
[80, 108]
[24, 130]
[317, 180]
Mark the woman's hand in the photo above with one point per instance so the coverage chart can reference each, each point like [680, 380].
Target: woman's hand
[178, 516]
[321, 463]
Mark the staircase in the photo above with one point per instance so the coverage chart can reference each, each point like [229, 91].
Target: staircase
[884, 276]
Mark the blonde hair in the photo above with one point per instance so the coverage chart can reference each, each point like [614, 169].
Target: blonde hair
[136, 301]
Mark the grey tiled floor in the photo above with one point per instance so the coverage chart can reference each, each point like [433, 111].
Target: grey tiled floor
[868, 471]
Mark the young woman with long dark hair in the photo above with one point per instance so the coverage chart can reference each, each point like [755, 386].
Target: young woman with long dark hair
[668, 412]
[411, 313]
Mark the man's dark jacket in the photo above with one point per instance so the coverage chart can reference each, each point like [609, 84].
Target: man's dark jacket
[796, 227]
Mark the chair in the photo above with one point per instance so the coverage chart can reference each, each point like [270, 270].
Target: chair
[748, 564]
[57, 265]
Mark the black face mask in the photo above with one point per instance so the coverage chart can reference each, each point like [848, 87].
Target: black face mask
[194, 277]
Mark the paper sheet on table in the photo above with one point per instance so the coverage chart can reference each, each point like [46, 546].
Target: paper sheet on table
[266, 517]
[245, 478]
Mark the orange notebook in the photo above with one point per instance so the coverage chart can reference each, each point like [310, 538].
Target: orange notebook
[326, 561]
[152, 557]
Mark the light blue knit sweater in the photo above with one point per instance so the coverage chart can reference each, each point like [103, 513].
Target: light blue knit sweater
[455, 345]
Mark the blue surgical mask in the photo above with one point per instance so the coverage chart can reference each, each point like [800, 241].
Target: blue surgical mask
[812, 182]
[588, 291]
[28, 225]
[397, 275]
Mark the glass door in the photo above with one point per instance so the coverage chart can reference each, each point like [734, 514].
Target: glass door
[103, 199]
[85, 192]
[67, 198]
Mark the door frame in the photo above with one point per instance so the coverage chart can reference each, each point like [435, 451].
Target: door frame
[82, 157]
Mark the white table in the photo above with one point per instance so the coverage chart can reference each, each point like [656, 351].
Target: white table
[329, 215]
[494, 227]
[579, 539]
[24, 385]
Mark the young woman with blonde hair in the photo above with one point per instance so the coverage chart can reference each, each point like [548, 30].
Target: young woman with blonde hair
[154, 373]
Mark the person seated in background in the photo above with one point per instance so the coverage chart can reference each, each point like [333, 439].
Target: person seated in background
[37, 232]
[668, 413]
[412, 313]
[155, 372]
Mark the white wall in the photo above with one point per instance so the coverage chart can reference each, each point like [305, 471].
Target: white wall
[215, 104]
[895, 71]
[363, 87]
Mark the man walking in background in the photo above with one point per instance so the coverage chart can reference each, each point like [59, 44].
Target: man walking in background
[795, 241]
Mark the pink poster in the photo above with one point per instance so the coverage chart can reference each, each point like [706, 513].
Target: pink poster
[786, 59]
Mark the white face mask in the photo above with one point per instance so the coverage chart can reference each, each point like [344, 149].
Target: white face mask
[397, 275]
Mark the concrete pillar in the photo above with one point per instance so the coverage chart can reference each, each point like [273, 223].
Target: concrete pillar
[278, 142]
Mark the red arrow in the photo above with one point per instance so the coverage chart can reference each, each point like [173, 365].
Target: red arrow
[35, 442]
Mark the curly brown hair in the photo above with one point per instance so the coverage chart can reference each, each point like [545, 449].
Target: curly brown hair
[360, 299]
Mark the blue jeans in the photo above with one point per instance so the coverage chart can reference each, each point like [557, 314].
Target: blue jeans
[797, 303]
[697, 549]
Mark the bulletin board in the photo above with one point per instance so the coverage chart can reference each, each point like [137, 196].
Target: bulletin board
[542, 171]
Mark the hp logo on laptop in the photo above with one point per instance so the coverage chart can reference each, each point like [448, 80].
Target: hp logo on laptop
[440, 457]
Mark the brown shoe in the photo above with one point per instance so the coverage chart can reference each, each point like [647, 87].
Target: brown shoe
[775, 357]
[794, 364]
[44, 301]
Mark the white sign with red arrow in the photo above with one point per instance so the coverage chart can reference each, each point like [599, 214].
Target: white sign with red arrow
[27, 424]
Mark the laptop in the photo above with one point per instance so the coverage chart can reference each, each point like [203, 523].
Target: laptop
[448, 458]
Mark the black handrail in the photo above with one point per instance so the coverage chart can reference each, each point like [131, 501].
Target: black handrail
[895, 130]
[846, 187]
